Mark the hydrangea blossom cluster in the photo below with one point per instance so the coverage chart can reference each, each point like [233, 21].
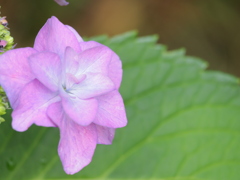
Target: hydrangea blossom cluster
[67, 83]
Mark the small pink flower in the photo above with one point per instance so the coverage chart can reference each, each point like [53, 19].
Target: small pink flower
[67, 83]
[62, 2]
[3, 43]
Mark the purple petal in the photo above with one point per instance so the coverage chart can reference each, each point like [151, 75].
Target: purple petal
[111, 111]
[115, 65]
[15, 72]
[95, 60]
[55, 113]
[62, 2]
[105, 134]
[94, 85]
[47, 68]
[82, 112]
[71, 80]
[79, 38]
[70, 62]
[55, 37]
[32, 106]
[115, 70]
[77, 143]
[89, 44]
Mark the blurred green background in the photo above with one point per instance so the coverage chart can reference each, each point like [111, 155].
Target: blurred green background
[209, 29]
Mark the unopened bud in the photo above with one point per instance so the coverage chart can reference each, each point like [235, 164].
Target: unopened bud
[6, 43]
[6, 40]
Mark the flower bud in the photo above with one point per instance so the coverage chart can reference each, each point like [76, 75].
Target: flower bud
[5, 36]
[6, 43]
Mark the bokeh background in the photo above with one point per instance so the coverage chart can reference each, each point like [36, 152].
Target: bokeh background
[209, 29]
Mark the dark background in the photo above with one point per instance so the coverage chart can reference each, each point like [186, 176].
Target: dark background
[209, 29]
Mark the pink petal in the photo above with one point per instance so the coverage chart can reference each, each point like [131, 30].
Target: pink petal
[32, 106]
[95, 60]
[55, 37]
[82, 112]
[47, 68]
[70, 62]
[55, 112]
[89, 44]
[62, 2]
[77, 143]
[15, 72]
[94, 85]
[115, 70]
[71, 80]
[79, 38]
[115, 65]
[111, 111]
[105, 134]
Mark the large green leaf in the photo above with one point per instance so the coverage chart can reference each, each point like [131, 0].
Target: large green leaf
[184, 124]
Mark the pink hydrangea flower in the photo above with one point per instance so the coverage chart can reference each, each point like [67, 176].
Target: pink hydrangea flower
[67, 83]
[62, 2]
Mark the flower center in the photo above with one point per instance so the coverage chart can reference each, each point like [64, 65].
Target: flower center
[72, 81]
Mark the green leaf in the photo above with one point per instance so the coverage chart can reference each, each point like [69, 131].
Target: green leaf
[184, 124]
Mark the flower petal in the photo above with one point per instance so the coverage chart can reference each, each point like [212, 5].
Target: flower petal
[32, 106]
[71, 80]
[82, 112]
[62, 2]
[95, 60]
[77, 143]
[70, 62]
[93, 85]
[105, 134]
[111, 111]
[79, 38]
[115, 65]
[55, 113]
[89, 44]
[55, 37]
[115, 70]
[15, 72]
[47, 68]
